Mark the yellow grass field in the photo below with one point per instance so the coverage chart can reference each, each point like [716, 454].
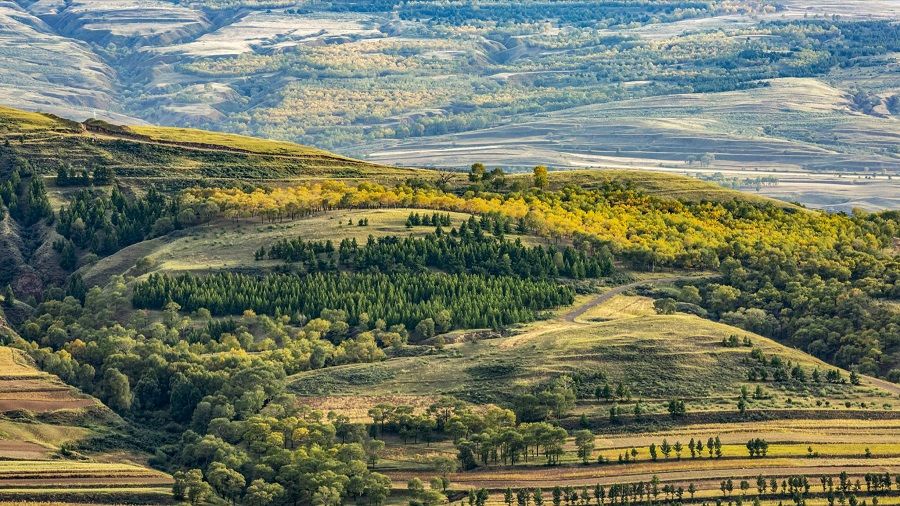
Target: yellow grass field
[228, 141]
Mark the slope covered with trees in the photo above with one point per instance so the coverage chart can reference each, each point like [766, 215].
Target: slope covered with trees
[771, 257]
[202, 362]
[468, 249]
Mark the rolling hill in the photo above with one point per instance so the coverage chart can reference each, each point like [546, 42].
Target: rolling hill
[800, 91]
[658, 356]
[619, 338]
[278, 317]
[172, 156]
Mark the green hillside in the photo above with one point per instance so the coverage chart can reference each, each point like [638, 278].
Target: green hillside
[613, 340]
[58, 444]
[176, 156]
[280, 325]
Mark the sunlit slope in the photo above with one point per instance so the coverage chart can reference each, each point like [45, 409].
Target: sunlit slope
[658, 357]
[181, 155]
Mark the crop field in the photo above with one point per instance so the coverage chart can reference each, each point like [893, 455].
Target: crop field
[663, 132]
[797, 130]
[76, 482]
[791, 452]
[22, 387]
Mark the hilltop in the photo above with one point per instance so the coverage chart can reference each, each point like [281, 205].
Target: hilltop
[173, 156]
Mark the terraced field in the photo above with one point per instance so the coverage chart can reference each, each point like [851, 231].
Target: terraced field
[33, 465]
[76, 482]
[790, 442]
[22, 387]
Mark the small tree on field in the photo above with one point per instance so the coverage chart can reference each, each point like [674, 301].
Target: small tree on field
[584, 442]
[541, 177]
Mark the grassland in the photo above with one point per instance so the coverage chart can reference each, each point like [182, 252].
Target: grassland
[174, 158]
[181, 136]
[660, 357]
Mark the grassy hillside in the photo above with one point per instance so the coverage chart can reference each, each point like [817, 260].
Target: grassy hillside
[812, 429]
[179, 156]
[658, 357]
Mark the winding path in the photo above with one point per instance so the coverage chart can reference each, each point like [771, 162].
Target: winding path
[576, 312]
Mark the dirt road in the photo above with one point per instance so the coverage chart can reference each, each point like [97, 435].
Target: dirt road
[573, 315]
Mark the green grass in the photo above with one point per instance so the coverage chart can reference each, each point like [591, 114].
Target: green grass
[13, 121]
[174, 158]
[659, 357]
[225, 140]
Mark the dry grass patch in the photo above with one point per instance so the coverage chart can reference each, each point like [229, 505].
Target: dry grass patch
[620, 306]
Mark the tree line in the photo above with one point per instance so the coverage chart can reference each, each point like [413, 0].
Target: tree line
[100, 176]
[473, 301]
[460, 251]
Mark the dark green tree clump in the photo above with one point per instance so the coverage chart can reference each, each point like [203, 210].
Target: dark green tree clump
[474, 301]
[25, 196]
[105, 224]
[468, 249]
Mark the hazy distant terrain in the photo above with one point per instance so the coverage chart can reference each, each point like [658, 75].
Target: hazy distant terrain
[809, 85]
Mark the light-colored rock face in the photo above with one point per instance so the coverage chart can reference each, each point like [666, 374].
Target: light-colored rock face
[122, 21]
[41, 69]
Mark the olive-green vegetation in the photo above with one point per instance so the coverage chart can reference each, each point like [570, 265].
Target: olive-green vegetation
[469, 249]
[56, 146]
[209, 370]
